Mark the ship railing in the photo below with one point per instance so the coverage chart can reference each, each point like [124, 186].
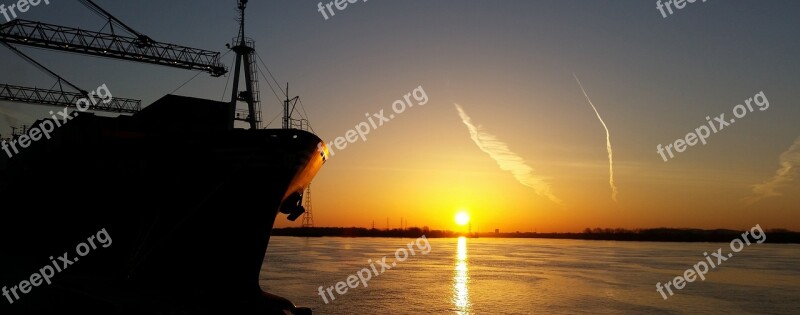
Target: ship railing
[301, 124]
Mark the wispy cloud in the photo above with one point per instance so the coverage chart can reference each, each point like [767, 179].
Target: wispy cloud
[614, 190]
[507, 160]
[789, 160]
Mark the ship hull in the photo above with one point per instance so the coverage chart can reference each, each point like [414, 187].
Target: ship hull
[188, 214]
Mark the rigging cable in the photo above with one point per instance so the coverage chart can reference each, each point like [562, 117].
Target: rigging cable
[304, 114]
[270, 86]
[270, 74]
[227, 82]
[45, 69]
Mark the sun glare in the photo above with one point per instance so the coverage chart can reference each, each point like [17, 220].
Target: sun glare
[462, 218]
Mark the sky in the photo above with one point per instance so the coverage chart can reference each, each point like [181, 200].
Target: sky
[507, 133]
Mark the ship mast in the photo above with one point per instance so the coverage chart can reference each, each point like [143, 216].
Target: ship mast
[245, 50]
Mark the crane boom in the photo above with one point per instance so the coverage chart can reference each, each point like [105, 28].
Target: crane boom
[74, 40]
[38, 96]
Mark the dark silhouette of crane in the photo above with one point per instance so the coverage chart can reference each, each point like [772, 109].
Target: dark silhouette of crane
[137, 47]
[133, 47]
[60, 97]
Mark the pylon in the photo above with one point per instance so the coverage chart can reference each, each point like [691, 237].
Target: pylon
[308, 217]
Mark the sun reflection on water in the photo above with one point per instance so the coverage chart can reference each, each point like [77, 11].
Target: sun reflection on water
[461, 279]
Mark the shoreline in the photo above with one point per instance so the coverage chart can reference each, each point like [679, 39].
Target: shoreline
[775, 236]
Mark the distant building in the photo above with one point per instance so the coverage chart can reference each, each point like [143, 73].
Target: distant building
[496, 231]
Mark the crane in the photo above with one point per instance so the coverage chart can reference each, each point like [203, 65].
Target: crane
[63, 98]
[60, 97]
[138, 47]
[74, 40]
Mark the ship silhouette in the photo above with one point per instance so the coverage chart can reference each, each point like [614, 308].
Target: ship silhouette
[187, 199]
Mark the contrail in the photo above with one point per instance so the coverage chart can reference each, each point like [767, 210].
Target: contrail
[614, 190]
[789, 160]
[507, 160]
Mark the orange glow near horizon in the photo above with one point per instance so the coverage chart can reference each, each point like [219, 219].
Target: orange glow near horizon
[394, 177]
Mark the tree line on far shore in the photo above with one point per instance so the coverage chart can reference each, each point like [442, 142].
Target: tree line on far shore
[617, 234]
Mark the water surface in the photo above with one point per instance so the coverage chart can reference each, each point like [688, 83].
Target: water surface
[531, 276]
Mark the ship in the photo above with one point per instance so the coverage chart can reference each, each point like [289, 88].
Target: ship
[165, 211]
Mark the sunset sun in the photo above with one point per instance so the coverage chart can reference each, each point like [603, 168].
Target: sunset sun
[462, 218]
